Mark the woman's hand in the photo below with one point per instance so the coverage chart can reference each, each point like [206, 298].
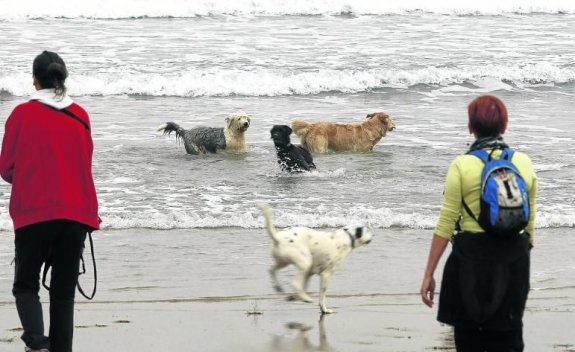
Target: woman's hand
[427, 290]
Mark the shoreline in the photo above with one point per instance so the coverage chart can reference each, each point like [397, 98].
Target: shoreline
[208, 290]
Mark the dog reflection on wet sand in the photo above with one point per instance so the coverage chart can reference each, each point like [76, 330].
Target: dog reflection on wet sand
[300, 342]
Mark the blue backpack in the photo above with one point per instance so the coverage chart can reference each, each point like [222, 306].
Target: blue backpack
[504, 201]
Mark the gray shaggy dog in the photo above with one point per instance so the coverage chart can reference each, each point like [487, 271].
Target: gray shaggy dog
[201, 140]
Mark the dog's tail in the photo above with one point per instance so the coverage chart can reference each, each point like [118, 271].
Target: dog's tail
[272, 231]
[300, 128]
[169, 127]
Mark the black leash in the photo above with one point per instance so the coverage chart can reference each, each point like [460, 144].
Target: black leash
[48, 264]
[84, 269]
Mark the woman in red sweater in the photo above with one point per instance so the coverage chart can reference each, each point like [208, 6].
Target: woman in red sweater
[47, 157]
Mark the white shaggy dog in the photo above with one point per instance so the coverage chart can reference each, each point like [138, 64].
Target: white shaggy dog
[200, 140]
[312, 252]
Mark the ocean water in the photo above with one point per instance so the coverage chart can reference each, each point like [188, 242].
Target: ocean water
[137, 64]
[195, 62]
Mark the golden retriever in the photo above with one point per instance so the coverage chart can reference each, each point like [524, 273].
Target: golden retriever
[319, 137]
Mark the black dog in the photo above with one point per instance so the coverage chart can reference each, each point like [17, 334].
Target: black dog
[292, 158]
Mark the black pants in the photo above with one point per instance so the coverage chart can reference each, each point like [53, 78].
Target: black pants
[476, 340]
[60, 242]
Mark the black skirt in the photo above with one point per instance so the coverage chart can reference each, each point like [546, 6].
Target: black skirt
[485, 282]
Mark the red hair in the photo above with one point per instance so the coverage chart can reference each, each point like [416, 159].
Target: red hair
[487, 116]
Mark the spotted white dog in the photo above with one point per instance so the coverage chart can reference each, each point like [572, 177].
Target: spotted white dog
[200, 140]
[312, 252]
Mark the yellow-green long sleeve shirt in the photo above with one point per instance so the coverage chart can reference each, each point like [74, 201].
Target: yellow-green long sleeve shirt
[463, 181]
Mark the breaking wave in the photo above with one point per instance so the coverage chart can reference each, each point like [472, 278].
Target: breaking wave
[374, 218]
[267, 82]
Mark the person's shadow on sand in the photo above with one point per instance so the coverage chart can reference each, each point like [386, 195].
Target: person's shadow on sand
[301, 342]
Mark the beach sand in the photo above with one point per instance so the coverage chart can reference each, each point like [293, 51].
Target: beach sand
[208, 290]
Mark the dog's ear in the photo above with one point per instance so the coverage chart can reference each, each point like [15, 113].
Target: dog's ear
[288, 130]
[358, 232]
[369, 116]
[228, 121]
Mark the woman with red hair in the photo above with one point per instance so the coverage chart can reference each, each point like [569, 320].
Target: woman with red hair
[486, 277]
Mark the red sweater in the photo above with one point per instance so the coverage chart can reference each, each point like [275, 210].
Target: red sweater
[47, 157]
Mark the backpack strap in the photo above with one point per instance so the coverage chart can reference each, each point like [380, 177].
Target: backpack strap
[481, 154]
[507, 154]
[485, 157]
[468, 210]
[69, 113]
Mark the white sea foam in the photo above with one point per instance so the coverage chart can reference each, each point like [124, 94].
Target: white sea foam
[374, 218]
[265, 82]
[550, 167]
[555, 219]
[120, 180]
[191, 8]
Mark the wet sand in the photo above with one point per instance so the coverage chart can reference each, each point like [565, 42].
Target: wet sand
[204, 290]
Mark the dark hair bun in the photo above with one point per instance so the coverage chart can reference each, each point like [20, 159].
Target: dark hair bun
[50, 71]
[58, 71]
